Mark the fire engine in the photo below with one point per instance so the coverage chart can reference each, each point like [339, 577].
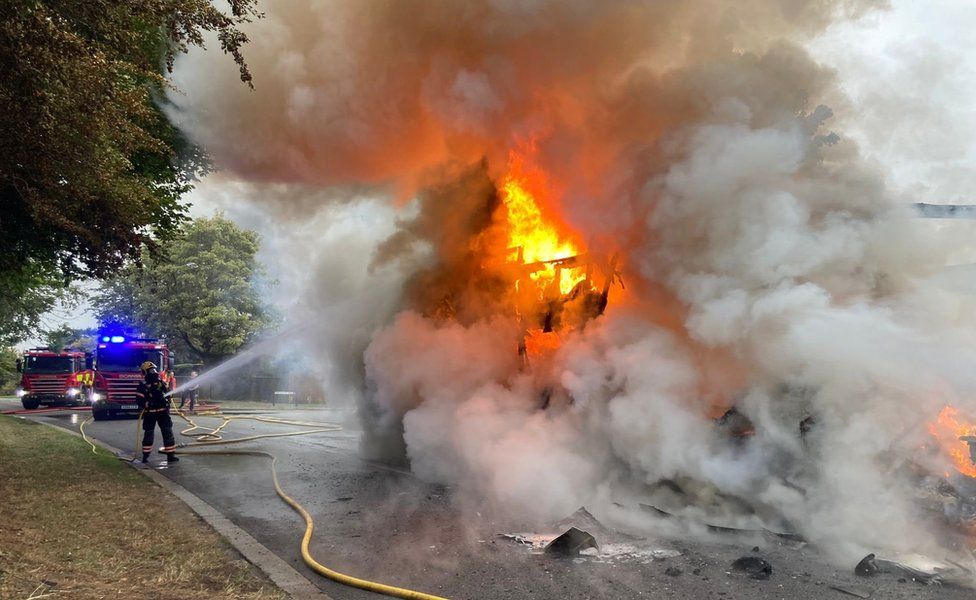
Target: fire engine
[116, 375]
[52, 377]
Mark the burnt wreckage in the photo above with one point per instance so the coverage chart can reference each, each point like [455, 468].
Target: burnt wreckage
[557, 311]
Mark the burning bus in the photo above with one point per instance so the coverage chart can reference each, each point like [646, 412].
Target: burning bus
[52, 377]
[117, 375]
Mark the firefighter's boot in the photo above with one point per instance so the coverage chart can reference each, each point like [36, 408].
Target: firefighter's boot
[145, 457]
[171, 458]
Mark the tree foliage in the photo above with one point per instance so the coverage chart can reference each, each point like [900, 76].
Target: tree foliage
[91, 171]
[87, 165]
[26, 294]
[9, 377]
[66, 336]
[201, 294]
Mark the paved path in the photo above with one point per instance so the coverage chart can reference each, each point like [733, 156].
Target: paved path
[381, 523]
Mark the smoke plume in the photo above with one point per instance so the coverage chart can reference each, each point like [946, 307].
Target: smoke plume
[764, 264]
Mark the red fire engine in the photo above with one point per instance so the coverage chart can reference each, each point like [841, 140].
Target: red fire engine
[51, 377]
[116, 375]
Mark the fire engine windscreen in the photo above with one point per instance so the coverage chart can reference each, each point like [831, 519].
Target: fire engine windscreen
[48, 364]
[122, 358]
[549, 243]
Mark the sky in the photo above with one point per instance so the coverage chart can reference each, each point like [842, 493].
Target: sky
[909, 75]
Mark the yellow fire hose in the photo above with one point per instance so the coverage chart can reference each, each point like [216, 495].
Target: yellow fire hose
[211, 436]
[84, 436]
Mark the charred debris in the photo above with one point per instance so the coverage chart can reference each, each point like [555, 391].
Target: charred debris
[945, 500]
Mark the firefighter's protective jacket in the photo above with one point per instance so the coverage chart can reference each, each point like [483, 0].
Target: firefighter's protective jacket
[152, 394]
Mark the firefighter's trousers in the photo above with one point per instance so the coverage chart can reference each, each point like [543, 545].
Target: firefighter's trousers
[190, 395]
[149, 421]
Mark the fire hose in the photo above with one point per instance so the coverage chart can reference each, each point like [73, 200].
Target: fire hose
[210, 436]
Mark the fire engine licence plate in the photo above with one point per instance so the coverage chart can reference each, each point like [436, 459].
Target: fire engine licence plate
[129, 406]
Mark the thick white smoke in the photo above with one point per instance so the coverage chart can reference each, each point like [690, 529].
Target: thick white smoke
[766, 265]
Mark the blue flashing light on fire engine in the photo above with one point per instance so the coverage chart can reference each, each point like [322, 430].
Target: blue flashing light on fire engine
[118, 339]
[105, 338]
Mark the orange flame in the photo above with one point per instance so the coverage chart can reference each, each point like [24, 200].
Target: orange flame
[947, 429]
[531, 237]
[538, 342]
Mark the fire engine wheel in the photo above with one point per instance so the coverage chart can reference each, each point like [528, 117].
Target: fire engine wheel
[100, 414]
[30, 404]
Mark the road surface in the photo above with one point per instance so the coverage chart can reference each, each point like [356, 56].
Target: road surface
[381, 523]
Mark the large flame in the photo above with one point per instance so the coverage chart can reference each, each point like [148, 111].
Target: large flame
[555, 289]
[533, 239]
[948, 428]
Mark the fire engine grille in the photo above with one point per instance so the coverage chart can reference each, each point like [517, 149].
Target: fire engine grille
[48, 386]
[123, 389]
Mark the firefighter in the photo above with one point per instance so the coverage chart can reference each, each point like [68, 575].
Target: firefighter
[190, 393]
[155, 409]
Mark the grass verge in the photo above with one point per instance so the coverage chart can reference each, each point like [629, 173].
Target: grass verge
[83, 526]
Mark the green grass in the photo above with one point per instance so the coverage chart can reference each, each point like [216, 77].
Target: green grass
[78, 525]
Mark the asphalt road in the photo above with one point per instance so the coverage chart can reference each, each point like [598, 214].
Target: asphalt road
[381, 523]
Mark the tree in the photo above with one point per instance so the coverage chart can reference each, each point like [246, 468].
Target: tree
[9, 377]
[201, 294]
[65, 336]
[91, 171]
[25, 295]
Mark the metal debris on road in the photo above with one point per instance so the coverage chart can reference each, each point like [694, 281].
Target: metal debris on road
[533, 541]
[571, 542]
[783, 535]
[871, 565]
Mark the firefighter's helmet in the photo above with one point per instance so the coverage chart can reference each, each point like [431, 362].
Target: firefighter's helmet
[147, 366]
